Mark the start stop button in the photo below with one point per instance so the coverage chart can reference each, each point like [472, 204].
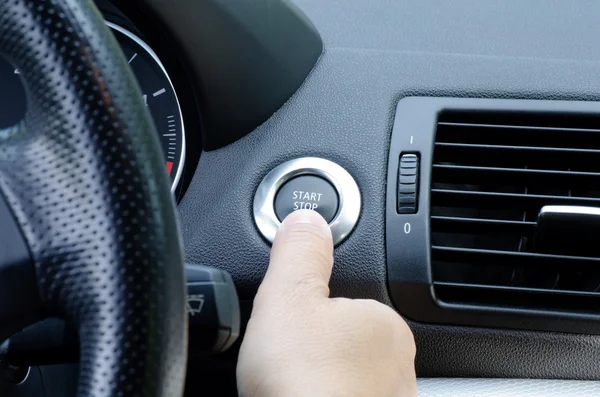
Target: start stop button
[308, 183]
[307, 192]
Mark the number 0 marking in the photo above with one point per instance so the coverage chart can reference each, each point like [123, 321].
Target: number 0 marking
[407, 228]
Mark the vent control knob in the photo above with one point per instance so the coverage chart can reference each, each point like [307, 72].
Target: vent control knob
[408, 184]
[568, 230]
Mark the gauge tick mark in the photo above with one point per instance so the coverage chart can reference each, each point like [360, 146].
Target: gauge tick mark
[159, 95]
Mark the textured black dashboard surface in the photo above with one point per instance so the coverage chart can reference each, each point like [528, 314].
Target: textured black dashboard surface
[377, 52]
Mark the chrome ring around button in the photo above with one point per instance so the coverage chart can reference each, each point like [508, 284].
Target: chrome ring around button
[349, 195]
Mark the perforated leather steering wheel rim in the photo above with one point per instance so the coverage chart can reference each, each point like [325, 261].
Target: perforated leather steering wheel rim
[84, 177]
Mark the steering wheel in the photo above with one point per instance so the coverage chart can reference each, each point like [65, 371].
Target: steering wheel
[83, 187]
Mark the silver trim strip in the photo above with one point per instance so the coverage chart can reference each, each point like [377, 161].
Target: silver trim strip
[459, 387]
[152, 54]
[25, 378]
[349, 195]
[570, 209]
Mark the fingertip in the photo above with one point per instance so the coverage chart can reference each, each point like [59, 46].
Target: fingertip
[305, 216]
[303, 221]
[302, 255]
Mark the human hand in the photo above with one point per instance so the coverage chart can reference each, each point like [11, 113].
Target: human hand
[300, 342]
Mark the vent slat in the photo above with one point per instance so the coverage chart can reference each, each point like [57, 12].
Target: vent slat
[518, 289]
[552, 150]
[473, 175]
[523, 135]
[482, 257]
[473, 225]
[537, 157]
[520, 298]
[525, 202]
[562, 130]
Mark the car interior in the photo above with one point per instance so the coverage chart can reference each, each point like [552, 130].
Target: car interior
[452, 146]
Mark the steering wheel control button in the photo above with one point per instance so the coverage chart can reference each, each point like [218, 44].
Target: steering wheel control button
[408, 184]
[307, 192]
[308, 183]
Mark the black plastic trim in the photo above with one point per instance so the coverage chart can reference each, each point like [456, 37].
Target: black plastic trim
[247, 58]
[20, 303]
[409, 248]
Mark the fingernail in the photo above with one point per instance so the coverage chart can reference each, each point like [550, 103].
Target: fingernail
[305, 216]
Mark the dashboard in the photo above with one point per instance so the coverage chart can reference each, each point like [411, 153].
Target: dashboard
[387, 78]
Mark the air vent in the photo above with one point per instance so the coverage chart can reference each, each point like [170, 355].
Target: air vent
[492, 175]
